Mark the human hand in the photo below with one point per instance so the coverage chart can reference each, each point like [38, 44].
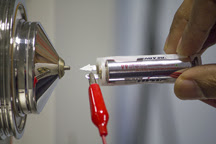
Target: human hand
[192, 31]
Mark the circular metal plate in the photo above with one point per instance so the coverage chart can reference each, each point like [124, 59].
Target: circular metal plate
[10, 123]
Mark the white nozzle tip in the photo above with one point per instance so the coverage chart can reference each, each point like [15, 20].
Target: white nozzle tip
[89, 68]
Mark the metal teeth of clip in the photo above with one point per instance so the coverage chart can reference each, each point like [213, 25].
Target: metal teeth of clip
[95, 76]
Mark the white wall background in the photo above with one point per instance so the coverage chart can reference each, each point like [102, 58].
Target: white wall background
[84, 31]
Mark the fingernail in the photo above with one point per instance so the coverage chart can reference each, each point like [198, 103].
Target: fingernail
[178, 50]
[188, 90]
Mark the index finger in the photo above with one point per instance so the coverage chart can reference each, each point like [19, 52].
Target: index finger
[180, 20]
[201, 20]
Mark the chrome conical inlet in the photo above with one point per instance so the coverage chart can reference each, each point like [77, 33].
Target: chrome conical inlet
[29, 68]
[37, 65]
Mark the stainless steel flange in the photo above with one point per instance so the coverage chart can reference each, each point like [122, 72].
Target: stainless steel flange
[11, 11]
[29, 68]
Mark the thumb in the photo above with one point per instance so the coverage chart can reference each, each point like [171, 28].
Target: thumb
[197, 83]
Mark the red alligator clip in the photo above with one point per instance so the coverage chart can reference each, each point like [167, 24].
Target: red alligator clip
[99, 113]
